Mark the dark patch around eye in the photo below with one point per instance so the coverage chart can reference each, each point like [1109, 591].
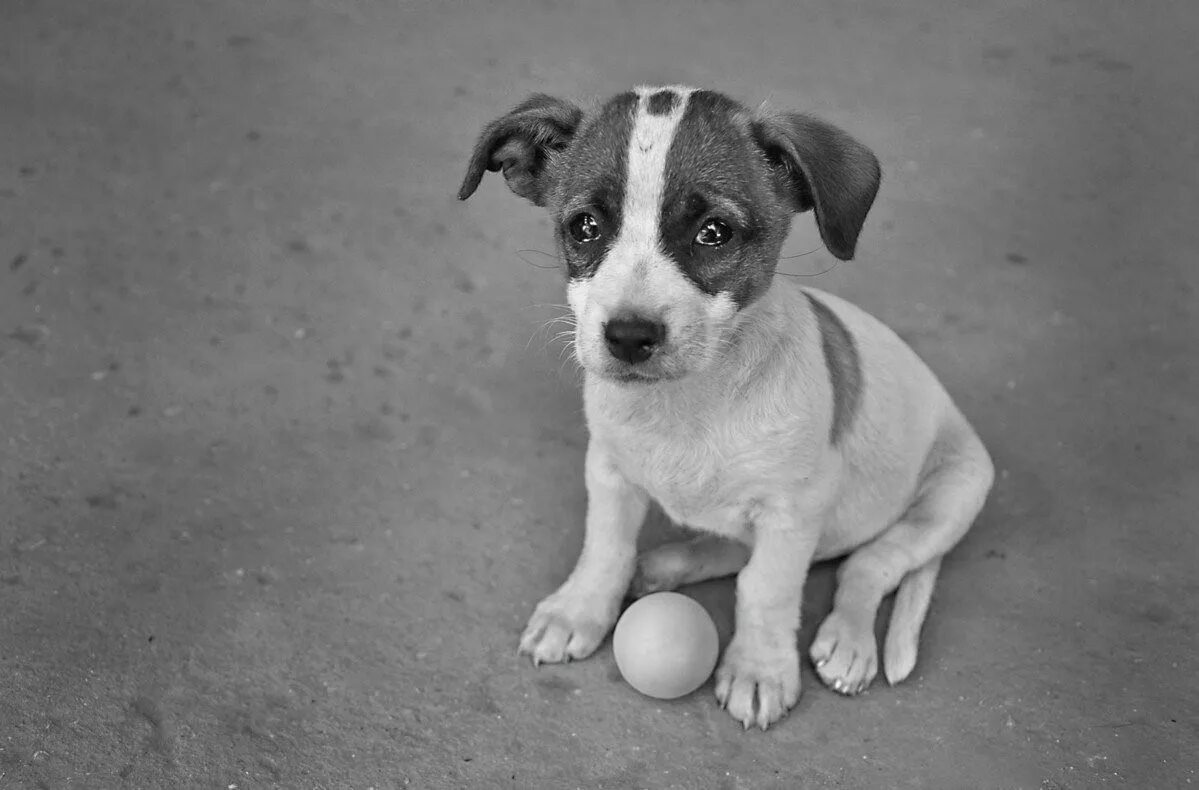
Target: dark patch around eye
[582, 260]
[713, 155]
[595, 167]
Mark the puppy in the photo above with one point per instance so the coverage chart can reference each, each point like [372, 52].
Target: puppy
[781, 423]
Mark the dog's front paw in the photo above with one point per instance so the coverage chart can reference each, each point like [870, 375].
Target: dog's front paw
[761, 670]
[845, 654]
[568, 624]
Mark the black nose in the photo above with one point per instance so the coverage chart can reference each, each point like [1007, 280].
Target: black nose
[633, 339]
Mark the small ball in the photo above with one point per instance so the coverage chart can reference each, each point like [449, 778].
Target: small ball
[665, 645]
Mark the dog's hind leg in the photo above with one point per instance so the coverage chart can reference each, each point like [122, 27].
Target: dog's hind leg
[912, 598]
[672, 565]
[907, 556]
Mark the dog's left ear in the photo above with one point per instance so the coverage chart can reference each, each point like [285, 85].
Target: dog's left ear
[816, 165]
[523, 143]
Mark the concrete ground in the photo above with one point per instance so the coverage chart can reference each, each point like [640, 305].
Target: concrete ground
[287, 455]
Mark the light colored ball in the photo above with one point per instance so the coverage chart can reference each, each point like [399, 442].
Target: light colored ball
[665, 645]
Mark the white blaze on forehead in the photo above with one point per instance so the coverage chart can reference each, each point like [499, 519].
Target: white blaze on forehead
[645, 180]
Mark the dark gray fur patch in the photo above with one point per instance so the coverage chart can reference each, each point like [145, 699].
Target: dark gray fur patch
[662, 102]
[844, 367]
[713, 161]
[593, 173]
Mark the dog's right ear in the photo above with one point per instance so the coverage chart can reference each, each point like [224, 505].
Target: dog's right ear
[523, 143]
[818, 166]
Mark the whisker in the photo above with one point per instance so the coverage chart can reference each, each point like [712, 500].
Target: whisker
[568, 359]
[555, 258]
[539, 305]
[799, 254]
[564, 314]
[542, 252]
[810, 274]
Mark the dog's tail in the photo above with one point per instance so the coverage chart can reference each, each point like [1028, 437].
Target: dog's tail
[907, 616]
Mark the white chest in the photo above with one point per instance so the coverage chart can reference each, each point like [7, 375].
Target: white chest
[690, 478]
[709, 474]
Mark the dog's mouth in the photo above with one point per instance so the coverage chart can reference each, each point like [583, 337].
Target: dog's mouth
[633, 375]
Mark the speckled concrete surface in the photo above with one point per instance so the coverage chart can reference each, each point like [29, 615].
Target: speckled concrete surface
[287, 455]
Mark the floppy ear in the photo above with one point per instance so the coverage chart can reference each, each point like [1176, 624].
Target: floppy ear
[816, 165]
[523, 143]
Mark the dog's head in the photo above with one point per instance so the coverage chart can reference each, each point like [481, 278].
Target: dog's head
[670, 207]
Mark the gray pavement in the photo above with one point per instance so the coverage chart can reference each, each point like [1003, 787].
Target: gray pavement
[287, 453]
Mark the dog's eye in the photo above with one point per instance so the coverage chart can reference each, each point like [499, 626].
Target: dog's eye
[583, 228]
[713, 233]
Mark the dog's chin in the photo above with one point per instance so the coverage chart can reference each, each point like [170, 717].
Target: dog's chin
[641, 375]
